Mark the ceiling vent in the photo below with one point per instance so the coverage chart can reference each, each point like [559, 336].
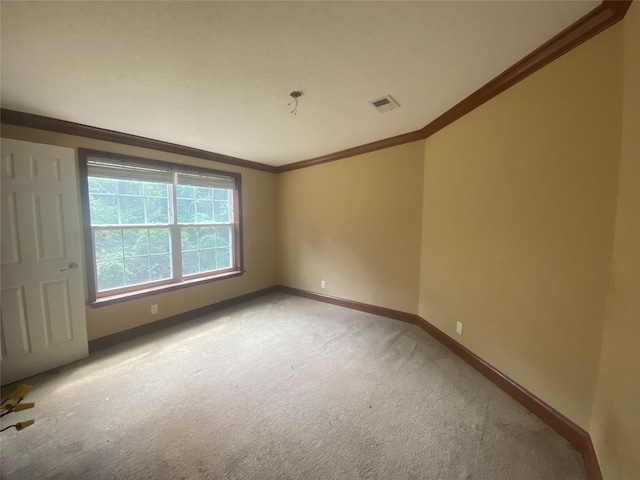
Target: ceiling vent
[384, 104]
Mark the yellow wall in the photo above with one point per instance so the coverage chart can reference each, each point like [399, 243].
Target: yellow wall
[356, 224]
[259, 231]
[615, 426]
[519, 202]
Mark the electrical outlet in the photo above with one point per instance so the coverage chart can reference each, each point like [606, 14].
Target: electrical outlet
[459, 328]
[323, 284]
[154, 309]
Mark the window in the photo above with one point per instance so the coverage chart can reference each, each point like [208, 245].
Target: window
[151, 225]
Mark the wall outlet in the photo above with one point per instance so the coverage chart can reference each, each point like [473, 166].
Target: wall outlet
[154, 309]
[459, 328]
[323, 284]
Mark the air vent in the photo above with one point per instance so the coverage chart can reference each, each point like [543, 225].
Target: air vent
[384, 104]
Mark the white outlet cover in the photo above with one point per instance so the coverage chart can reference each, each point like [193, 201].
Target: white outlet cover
[323, 284]
[154, 309]
[459, 328]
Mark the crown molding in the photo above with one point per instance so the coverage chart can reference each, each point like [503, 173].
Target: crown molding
[606, 14]
[22, 119]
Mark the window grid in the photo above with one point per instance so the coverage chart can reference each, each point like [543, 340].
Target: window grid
[123, 256]
[227, 249]
[127, 167]
[176, 251]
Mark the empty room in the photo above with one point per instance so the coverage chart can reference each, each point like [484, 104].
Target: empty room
[320, 240]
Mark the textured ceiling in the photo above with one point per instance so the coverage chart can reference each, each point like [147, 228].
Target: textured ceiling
[217, 75]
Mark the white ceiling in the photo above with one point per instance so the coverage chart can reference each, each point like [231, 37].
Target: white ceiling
[217, 75]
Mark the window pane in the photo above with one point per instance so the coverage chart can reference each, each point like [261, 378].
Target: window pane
[131, 210]
[155, 189]
[190, 263]
[207, 237]
[203, 193]
[110, 274]
[130, 187]
[204, 211]
[186, 211]
[221, 194]
[221, 212]
[136, 270]
[103, 185]
[108, 244]
[195, 205]
[104, 209]
[201, 252]
[122, 202]
[223, 258]
[123, 256]
[208, 260]
[159, 240]
[136, 242]
[157, 210]
[223, 236]
[189, 238]
[160, 266]
[185, 191]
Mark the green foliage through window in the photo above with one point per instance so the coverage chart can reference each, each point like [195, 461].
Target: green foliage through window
[132, 224]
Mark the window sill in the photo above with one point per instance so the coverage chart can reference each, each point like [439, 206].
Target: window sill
[124, 297]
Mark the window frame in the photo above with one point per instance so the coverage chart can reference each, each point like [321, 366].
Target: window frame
[146, 289]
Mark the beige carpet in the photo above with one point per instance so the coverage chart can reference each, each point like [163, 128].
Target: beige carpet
[280, 388]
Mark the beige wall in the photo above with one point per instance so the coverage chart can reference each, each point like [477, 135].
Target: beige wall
[615, 426]
[504, 221]
[259, 222]
[356, 224]
[517, 216]
[519, 202]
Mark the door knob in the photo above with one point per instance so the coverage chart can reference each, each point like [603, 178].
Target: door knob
[70, 267]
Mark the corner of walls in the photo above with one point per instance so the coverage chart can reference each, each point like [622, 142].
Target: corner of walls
[518, 208]
[355, 223]
[280, 274]
[615, 421]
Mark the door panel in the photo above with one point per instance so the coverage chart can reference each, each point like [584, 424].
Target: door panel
[47, 217]
[57, 316]
[15, 334]
[10, 238]
[43, 315]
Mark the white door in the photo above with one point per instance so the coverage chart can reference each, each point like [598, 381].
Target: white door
[43, 313]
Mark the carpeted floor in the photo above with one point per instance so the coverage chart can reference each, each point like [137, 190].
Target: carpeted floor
[280, 388]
